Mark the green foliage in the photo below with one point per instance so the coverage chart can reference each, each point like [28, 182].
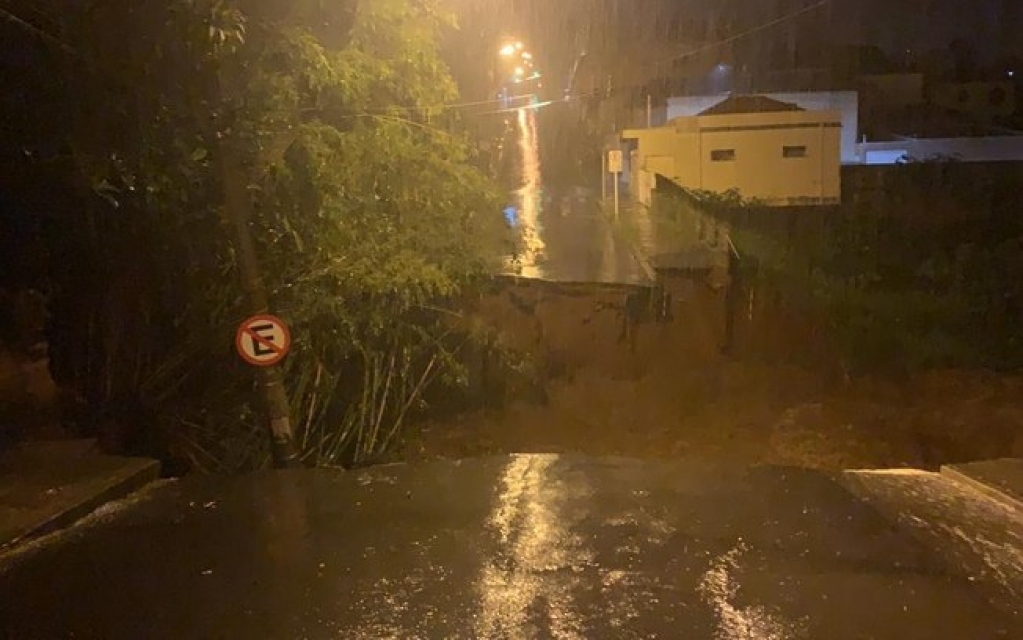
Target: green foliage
[367, 216]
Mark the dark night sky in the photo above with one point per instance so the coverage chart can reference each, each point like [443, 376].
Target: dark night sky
[559, 30]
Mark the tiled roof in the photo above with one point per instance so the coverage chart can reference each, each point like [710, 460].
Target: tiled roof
[749, 104]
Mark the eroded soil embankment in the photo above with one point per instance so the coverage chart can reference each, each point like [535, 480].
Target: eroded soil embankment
[627, 372]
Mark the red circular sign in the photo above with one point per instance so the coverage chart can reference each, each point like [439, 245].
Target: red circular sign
[263, 340]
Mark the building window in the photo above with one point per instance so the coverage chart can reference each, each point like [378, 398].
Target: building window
[722, 155]
[793, 152]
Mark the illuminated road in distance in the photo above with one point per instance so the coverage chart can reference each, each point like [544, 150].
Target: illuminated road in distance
[563, 234]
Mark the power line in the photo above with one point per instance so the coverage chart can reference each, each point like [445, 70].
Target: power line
[792, 15]
[383, 110]
[744, 34]
[430, 108]
[28, 26]
[617, 90]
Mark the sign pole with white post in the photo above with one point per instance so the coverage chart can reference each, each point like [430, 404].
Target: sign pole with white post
[614, 167]
[616, 196]
[603, 178]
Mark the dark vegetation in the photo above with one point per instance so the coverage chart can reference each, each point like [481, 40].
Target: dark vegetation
[880, 333]
[378, 231]
[368, 211]
[921, 267]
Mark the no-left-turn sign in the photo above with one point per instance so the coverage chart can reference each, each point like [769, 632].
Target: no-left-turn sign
[263, 340]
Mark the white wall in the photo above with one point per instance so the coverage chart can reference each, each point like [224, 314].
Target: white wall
[682, 106]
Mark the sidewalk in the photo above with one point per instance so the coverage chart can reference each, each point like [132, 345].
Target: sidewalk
[971, 513]
[658, 243]
[46, 486]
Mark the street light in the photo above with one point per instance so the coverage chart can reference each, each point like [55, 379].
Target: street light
[507, 50]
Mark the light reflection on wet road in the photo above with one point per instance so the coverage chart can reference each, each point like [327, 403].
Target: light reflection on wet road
[537, 546]
[564, 235]
[533, 540]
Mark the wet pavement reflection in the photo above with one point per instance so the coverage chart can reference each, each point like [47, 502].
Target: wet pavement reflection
[538, 571]
[564, 235]
[536, 546]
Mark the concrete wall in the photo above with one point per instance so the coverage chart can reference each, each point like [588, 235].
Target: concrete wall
[654, 154]
[985, 149]
[844, 102]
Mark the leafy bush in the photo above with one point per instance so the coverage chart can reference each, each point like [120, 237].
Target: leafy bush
[368, 215]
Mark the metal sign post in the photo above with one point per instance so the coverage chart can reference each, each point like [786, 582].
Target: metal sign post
[614, 167]
[615, 178]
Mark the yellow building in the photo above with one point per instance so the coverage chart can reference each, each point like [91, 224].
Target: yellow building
[764, 149]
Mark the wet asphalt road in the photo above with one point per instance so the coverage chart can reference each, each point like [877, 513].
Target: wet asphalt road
[565, 236]
[506, 547]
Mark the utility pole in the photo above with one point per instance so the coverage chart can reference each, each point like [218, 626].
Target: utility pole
[238, 213]
[649, 111]
[236, 175]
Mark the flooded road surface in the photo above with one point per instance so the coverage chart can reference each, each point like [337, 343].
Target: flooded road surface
[564, 235]
[536, 546]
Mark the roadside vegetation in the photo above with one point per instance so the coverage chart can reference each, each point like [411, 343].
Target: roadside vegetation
[920, 267]
[369, 213]
[880, 333]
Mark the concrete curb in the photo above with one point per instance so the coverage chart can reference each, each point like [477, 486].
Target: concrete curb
[634, 249]
[973, 534]
[644, 264]
[132, 475]
[994, 493]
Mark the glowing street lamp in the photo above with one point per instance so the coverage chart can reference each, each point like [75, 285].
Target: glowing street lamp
[507, 50]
